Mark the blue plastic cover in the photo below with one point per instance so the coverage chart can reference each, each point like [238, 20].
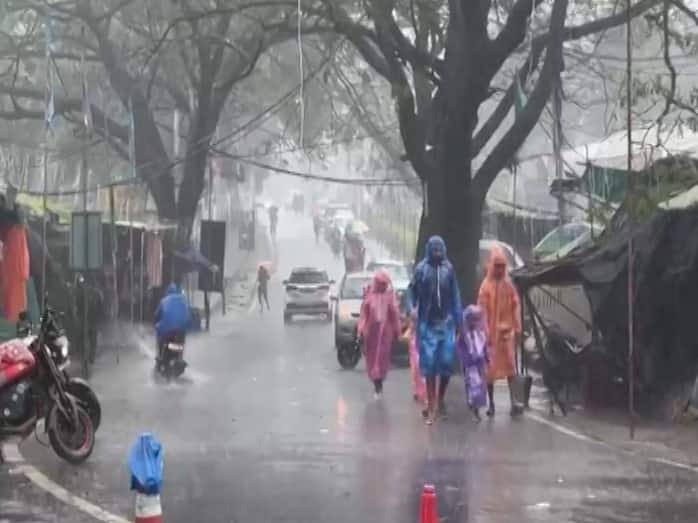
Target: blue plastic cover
[146, 465]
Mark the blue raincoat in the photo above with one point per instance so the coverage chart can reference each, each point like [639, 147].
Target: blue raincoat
[145, 465]
[434, 293]
[172, 315]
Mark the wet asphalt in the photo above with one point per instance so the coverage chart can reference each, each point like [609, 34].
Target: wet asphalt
[264, 427]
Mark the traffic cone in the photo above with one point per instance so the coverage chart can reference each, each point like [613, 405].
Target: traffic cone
[427, 508]
[148, 509]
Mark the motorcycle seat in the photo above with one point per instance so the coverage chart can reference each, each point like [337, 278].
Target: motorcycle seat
[16, 361]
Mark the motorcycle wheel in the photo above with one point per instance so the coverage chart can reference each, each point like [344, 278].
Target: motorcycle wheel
[87, 400]
[348, 357]
[73, 444]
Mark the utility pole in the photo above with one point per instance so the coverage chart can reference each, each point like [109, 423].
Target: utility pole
[85, 295]
[631, 223]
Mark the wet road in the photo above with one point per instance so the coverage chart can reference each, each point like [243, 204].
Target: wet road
[265, 428]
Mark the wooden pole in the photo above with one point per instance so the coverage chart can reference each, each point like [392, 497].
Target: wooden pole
[44, 232]
[631, 226]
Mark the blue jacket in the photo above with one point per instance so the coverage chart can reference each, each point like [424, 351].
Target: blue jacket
[172, 315]
[433, 290]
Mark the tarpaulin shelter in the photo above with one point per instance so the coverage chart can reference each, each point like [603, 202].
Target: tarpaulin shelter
[666, 301]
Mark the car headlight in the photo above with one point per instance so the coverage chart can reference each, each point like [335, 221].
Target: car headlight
[344, 312]
[63, 345]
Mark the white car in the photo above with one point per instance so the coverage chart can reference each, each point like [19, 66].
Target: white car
[399, 273]
[307, 293]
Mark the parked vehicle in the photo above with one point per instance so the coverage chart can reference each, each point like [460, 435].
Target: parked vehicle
[307, 293]
[348, 306]
[57, 342]
[170, 361]
[564, 239]
[32, 387]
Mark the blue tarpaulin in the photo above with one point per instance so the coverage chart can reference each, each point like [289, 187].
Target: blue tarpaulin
[146, 465]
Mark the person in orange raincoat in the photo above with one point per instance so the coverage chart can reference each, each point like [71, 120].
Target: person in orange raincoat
[500, 303]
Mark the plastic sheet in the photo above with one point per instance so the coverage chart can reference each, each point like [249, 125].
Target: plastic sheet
[145, 463]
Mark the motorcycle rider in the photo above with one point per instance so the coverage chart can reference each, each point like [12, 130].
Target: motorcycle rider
[354, 250]
[172, 317]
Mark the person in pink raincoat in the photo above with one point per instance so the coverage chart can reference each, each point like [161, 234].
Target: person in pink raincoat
[379, 327]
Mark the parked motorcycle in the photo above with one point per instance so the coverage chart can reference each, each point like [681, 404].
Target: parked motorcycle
[348, 355]
[57, 342]
[33, 387]
[170, 361]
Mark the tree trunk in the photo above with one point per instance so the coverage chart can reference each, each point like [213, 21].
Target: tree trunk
[460, 225]
[453, 208]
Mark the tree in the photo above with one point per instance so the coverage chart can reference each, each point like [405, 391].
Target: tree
[156, 56]
[441, 64]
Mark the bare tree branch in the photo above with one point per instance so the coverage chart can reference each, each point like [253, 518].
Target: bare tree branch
[503, 152]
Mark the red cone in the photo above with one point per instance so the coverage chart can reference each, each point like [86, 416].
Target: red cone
[148, 509]
[427, 508]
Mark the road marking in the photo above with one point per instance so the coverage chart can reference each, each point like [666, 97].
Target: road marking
[583, 437]
[562, 429]
[39, 479]
[677, 464]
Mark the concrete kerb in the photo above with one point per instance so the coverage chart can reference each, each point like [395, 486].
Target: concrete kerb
[649, 451]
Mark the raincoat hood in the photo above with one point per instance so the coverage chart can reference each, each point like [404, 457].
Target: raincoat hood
[497, 257]
[381, 282]
[433, 243]
[172, 289]
[473, 312]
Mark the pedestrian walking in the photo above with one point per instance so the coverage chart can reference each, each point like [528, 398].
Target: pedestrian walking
[436, 307]
[379, 327]
[263, 286]
[500, 304]
[472, 350]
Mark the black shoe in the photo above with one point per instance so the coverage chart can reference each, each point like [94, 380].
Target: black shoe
[516, 410]
[443, 413]
[490, 412]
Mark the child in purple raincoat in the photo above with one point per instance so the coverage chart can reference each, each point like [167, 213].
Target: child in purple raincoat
[472, 349]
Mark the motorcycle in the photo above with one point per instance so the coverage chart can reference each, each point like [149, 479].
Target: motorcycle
[348, 355]
[170, 361]
[33, 387]
[57, 342]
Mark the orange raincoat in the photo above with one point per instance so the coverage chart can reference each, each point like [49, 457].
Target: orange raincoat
[14, 271]
[500, 303]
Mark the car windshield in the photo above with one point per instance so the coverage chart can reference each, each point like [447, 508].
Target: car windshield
[395, 271]
[353, 288]
[308, 277]
[560, 237]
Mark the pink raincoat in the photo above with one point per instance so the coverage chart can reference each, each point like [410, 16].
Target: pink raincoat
[379, 325]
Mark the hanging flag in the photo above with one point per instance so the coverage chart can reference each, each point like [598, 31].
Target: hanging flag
[50, 111]
[85, 98]
[520, 98]
[131, 138]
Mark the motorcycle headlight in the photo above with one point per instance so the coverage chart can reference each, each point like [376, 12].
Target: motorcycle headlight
[63, 345]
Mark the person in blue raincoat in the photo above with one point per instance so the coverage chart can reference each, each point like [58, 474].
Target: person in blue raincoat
[437, 309]
[172, 316]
